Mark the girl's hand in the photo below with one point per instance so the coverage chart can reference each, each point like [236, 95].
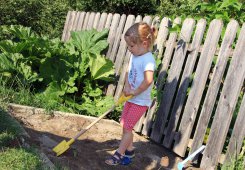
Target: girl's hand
[127, 90]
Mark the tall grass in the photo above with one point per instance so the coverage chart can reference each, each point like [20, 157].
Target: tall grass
[237, 162]
[14, 91]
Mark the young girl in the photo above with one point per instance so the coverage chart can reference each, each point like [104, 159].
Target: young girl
[139, 80]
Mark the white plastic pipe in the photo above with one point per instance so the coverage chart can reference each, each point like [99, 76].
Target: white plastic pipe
[191, 156]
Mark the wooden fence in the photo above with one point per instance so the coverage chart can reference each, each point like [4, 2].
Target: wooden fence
[201, 78]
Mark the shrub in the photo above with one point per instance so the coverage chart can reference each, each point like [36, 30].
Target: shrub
[121, 6]
[44, 17]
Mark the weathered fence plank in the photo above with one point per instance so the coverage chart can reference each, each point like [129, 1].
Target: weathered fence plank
[112, 33]
[76, 20]
[162, 36]
[138, 126]
[164, 66]
[96, 20]
[238, 134]
[124, 68]
[230, 92]
[68, 26]
[118, 33]
[108, 21]
[197, 88]
[172, 80]
[167, 57]
[185, 80]
[90, 21]
[121, 54]
[86, 20]
[102, 21]
[80, 21]
[214, 85]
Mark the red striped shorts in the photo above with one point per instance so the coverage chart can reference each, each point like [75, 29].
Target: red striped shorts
[131, 114]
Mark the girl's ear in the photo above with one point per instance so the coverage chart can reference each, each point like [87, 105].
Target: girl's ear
[145, 44]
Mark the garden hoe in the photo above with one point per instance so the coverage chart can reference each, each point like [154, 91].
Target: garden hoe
[64, 145]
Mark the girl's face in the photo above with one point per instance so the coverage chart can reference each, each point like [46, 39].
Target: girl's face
[136, 49]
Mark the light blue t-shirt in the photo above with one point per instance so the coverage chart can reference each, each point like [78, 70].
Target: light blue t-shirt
[137, 66]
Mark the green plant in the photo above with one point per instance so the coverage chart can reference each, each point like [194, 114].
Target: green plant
[71, 74]
[220, 9]
[43, 16]
[135, 7]
[237, 162]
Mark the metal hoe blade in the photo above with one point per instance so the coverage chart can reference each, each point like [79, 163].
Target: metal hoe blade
[63, 146]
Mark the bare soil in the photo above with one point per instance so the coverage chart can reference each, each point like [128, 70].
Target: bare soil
[93, 147]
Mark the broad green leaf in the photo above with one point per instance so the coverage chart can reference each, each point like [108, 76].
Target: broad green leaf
[54, 90]
[90, 41]
[55, 69]
[100, 35]
[101, 68]
[99, 46]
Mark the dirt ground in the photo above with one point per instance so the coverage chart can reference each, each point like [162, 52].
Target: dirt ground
[93, 147]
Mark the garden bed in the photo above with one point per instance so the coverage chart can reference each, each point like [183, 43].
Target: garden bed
[92, 148]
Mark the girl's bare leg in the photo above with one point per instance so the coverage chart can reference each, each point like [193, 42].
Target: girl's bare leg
[126, 142]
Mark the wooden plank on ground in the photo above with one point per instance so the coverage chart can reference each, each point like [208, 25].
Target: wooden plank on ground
[197, 87]
[86, 20]
[102, 21]
[96, 20]
[162, 73]
[113, 31]
[238, 134]
[185, 80]
[90, 21]
[226, 106]
[80, 20]
[120, 54]
[214, 85]
[172, 80]
[68, 17]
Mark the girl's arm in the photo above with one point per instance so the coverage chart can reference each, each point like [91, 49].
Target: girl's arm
[148, 79]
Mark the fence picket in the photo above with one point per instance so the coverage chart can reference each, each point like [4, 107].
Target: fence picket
[121, 81]
[229, 95]
[185, 80]
[170, 45]
[112, 33]
[197, 88]
[172, 80]
[102, 21]
[80, 21]
[108, 21]
[86, 20]
[121, 54]
[238, 134]
[215, 82]
[90, 21]
[139, 124]
[68, 17]
[96, 20]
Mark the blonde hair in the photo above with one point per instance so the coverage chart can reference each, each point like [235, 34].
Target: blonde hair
[140, 32]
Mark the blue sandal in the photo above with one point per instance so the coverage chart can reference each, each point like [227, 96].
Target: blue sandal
[129, 154]
[117, 159]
